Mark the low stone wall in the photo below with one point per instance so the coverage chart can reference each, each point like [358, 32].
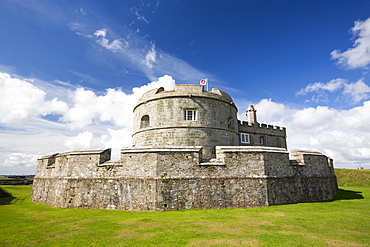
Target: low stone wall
[22, 181]
[103, 193]
[175, 178]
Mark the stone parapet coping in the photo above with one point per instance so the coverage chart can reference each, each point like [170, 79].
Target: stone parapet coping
[91, 151]
[162, 149]
[251, 149]
[310, 152]
[76, 152]
[212, 164]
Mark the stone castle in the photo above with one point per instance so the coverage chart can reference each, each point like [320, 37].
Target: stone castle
[189, 151]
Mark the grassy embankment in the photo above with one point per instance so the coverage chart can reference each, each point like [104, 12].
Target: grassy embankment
[341, 222]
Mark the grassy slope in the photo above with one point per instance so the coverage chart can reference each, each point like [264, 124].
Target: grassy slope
[341, 222]
[352, 177]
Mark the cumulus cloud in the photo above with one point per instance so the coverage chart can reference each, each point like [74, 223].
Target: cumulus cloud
[331, 86]
[359, 55]
[341, 134]
[357, 91]
[82, 140]
[87, 119]
[20, 160]
[271, 112]
[312, 118]
[354, 91]
[113, 106]
[20, 100]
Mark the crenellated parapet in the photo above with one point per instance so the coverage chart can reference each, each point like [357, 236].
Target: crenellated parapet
[258, 127]
[314, 163]
[171, 178]
[72, 164]
[261, 134]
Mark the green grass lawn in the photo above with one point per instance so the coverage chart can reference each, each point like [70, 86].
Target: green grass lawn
[345, 221]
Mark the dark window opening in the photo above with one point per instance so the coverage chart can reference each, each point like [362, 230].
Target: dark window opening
[144, 122]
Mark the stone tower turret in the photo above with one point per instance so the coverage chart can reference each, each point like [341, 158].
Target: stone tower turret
[186, 116]
[252, 115]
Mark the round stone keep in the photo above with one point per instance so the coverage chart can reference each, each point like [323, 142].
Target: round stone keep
[186, 116]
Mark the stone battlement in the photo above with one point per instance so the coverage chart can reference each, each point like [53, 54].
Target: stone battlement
[138, 181]
[261, 125]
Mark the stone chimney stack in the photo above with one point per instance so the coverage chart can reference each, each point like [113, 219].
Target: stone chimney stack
[252, 115]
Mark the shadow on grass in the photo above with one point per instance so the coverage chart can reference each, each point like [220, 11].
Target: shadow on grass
[348, 195]
[5, 197]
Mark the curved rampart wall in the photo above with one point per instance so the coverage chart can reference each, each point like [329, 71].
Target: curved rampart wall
[175, 178]
[160, 119]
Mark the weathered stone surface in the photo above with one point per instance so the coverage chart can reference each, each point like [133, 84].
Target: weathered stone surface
[174, 178]
[182, 164]
[215, 123]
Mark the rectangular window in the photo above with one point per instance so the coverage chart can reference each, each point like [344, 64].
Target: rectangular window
[190, 115]
[244, 138]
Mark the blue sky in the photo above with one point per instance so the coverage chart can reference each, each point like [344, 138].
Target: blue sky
[72, 70]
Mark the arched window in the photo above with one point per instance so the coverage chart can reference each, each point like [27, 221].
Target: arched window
[144, 123]
[161, 89]
[230, 122]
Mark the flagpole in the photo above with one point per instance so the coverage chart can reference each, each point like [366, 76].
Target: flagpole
[207, 83]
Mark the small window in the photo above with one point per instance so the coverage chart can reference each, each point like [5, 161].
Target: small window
[262, 140]
[190, 115]
[144, 122]
[230, 122]
[244, 138]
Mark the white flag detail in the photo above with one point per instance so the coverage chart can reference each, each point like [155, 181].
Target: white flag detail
[204, 81]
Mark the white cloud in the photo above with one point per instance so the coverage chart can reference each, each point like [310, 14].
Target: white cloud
[312, 118]
[115, 45]
[137, 12]
[150, 57]
[359, 55]
[20, 100]
[271, 112]
[127, 48]
[82, 141]
[101, 33]
[114, 106]
[138, 54]
[87, 120]
[331, 86]
[357, 91]
[20, 160]
[342, 134]
[354, 92]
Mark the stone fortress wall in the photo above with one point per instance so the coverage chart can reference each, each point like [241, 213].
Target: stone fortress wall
[181, 162]
[159, 119]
